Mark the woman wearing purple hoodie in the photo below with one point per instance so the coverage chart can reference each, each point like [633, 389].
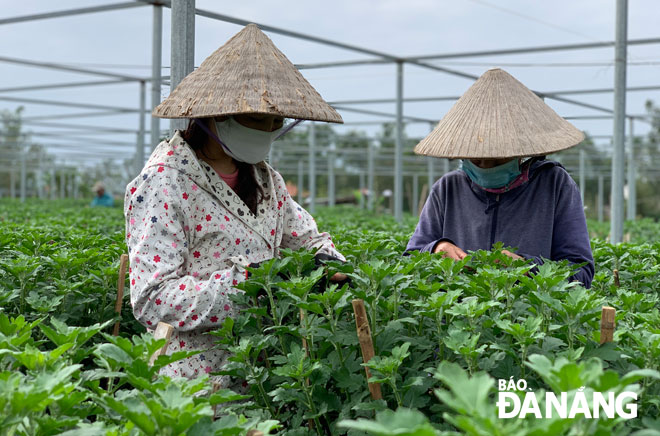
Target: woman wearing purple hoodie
[506, 191]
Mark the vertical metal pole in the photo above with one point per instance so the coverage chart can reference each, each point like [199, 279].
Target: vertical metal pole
[156, 65]
[331, 172]
[12, 182]
[62, 184]
[582, 175]
[414, 204]
[618, 157]
[139, 151]
[361, 183]
[23, 175]
[445, 166]
[601, 193]
[183, 48]
[632, 176]
[398, 147]
[75, 186]
[430, 167]
[312, 167]
[53, 184]
[370, 175]
[38, 179]
[301, 181]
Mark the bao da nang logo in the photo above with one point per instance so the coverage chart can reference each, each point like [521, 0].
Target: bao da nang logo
[580, 403]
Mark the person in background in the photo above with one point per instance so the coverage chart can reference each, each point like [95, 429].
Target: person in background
[102, 198]
[206, 205]
[506, 190]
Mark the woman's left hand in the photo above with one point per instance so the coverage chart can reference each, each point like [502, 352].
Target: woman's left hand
[512, 255]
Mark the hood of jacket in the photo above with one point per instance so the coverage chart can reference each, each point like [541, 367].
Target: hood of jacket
[175, 153]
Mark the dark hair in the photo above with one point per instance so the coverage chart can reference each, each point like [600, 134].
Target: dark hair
[248, 189]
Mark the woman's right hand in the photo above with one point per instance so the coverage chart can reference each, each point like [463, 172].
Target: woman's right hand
[449, 250]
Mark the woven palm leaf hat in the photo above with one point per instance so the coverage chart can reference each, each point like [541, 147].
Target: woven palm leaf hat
[498, 117]
[246, 75]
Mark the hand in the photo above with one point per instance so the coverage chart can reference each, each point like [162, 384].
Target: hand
[338, 277]
[513, 256]
[449, 250]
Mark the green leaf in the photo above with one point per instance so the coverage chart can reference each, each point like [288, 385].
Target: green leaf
[403, 422]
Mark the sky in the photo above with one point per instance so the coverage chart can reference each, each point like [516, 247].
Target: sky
[120, 42]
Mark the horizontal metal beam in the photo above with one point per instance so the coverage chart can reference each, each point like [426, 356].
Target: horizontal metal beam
[72, 134]
[75, 115]
[65, 85]
[69, 104]
[453, 97]
[418, 60]
[605, 90]
[523, 50]
[359, 62]
[343, 64]
[393, 100]
[281, 31]
[61, 67]
[75, 142]
[69, 12]
[383, 114]
[601, 117]
[109, 129]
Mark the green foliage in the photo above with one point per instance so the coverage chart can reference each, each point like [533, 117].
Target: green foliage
[443, 333]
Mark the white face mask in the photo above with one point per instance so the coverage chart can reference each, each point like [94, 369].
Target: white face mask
[247, 145]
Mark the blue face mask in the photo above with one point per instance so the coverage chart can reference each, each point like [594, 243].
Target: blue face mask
[492, 178]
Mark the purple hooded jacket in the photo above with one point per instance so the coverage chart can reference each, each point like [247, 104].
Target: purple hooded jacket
[543, 218]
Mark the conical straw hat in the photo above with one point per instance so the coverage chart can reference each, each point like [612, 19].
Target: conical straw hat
[498, 117]
[246, 75]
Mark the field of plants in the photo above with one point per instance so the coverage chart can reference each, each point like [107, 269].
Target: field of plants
[445, 335]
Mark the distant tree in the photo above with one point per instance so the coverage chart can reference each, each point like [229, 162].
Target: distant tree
[12, 141]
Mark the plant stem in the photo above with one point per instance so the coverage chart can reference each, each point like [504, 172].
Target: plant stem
[392, 383]
[263, 392]
[310, 405]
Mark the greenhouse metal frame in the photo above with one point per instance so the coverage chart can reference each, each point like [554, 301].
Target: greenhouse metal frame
[182, 62]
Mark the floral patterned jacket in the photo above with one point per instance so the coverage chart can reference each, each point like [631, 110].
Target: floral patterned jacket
[190, 237]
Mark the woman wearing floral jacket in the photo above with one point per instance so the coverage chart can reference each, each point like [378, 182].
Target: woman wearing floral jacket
[206, 205]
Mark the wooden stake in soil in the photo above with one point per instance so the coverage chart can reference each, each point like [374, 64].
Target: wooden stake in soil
[163, 331]
[367, 346]
[607, 324]
[617, 283]
[123, 263]
[216, 387]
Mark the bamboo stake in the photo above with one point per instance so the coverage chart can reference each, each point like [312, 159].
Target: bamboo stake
[607, 322]
[216, 386]
[163, 331]
[366, 344]
[617, 282]
[121, 281]
[302, 324]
